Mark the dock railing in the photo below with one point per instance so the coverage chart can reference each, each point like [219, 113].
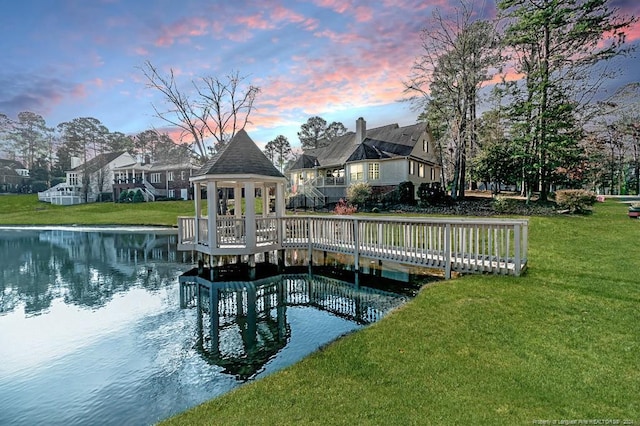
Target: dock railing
[465, 245]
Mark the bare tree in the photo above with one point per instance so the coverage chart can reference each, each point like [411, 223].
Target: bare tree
[459, 53]
[216, 107]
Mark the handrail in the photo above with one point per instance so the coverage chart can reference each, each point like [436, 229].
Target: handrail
[452, 244]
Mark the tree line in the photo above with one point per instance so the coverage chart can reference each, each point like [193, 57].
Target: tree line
[536, 72]
[47, 151]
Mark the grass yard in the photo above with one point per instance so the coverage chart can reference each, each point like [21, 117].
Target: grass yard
[560, 343]
[27, 210]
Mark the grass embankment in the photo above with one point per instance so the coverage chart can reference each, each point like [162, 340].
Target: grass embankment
[27, 210]
[561, 342]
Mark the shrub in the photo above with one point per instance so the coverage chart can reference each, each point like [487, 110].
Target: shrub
[124, 197]
[391, 197]
[57, 180]
[39, 186]
[575, 200]
[503, 204]
[343, 208]
[138, 197]
[406, 190]
[358, 193]
[431, 194]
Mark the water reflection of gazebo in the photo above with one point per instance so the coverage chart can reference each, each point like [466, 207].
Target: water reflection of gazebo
[241, 325]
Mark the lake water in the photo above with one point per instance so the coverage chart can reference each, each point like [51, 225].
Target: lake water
[95, 327]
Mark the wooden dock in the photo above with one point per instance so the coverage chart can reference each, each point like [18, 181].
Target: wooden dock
[464, 245]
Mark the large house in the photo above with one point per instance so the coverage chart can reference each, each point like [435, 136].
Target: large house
[88, 182]
[12, 175]
[106, 176]
[383, 157]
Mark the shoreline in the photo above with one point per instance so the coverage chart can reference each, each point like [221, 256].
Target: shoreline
[92, 228]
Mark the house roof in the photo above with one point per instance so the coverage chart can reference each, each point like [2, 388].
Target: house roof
[304, 161]
[98, 162]
[241, 156]
[8, 167]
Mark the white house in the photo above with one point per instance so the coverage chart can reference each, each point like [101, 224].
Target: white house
[86, 182]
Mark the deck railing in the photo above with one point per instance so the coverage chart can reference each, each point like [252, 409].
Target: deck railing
[452, 244]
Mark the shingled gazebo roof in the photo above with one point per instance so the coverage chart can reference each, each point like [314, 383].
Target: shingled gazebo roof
[241, 156]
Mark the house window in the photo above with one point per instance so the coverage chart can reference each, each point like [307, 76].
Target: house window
[155, 177]
[412, 168]
[169, 176]
[374, 171]
[357, 172]
[425, 145]
[421, 170]
[183, 175]
[73, 179]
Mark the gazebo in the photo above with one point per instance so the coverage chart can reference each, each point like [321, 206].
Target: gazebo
[253, 225]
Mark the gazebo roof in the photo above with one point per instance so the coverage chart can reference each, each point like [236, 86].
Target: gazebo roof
[240, 157]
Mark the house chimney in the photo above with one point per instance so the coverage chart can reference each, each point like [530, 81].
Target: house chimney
[75, 162]
[361, 130]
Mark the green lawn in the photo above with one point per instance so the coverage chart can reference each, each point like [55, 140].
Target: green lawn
[27, 210]
[560, 343]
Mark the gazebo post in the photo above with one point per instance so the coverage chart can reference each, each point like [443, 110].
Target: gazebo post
[212, 213]
[250, 219]
[265, 199]
[197, 200]
[280, 212]
[237, 201]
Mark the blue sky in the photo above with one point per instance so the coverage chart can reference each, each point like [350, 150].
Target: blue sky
[339, 59]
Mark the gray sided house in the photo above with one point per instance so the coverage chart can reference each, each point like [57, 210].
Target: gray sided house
[383, 157]
[12, 175]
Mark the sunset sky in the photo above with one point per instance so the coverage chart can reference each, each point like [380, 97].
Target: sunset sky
[340, 59]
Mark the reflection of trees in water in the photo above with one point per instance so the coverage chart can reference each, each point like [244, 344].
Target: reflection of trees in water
[82, 268]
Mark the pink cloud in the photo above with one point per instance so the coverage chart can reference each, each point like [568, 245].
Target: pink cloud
[363, 14]
[255, 22]
[282, 14]
[141, 51]
[633, 33]
[344, 38]
[338, 6]
[182, 30]
[79, 91]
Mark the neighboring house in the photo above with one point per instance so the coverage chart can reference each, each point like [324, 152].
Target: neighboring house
[383, 157]
[12, 175]
[161, 179]
[89, 182]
